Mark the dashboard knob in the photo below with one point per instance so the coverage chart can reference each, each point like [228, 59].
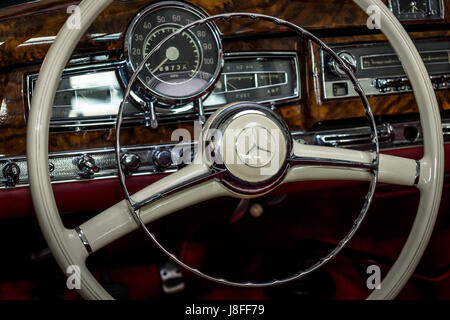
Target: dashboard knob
[348, 58]
[162, 159]
[131, 162]
[11, 172]
[87, 166]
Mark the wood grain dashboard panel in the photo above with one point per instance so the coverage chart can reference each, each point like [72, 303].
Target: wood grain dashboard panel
[25, 30]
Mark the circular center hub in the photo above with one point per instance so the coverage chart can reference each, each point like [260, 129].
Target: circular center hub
[172, 53]
[252, 143]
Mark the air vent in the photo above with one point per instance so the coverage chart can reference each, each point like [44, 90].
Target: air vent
[353, 137]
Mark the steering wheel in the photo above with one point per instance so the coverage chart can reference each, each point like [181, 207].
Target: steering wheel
[290, 161]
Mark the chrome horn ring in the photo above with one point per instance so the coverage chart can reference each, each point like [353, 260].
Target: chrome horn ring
[219, 173]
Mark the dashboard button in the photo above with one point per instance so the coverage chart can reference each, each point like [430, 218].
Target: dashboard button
[87, 166]
[11, 172]
[131, 162]
[162, 159]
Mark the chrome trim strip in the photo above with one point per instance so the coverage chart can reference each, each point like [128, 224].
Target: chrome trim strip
[83, 239]
[417, 177]
[38, 41]
[213, 174]
[353, 136]
[395, 141]
[66, 170]
[391, 135]
[307, 161]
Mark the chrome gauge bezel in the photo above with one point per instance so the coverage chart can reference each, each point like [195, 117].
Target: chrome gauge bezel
[168, 104]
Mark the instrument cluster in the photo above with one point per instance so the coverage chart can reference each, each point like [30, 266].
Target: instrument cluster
[188, 76]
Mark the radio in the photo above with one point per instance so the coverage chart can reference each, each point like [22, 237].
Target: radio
[379, 69]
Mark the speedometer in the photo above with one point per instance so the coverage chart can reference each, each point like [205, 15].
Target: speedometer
[187, 66]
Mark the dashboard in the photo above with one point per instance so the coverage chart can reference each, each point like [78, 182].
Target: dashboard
[191, 74]
[152, 64]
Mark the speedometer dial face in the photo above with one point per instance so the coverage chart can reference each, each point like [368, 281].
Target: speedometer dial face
[186, 66]
[167, 65]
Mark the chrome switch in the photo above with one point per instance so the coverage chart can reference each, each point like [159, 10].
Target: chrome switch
[130, 162]
[162, 159]
[11, 172]
[348, 58]
[87, 166]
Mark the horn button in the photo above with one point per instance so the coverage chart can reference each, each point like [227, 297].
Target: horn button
[253, 144]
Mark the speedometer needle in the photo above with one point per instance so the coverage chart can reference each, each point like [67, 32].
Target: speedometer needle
[160, 65]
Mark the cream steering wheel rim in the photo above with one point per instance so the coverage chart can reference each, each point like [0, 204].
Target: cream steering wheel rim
[116, 222]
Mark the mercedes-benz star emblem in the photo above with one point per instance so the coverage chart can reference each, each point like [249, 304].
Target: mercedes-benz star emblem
[255, 146]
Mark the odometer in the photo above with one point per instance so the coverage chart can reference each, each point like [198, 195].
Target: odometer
[185, 67]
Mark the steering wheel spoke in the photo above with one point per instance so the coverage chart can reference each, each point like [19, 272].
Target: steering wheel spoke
[328, 163]
[193, 184]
